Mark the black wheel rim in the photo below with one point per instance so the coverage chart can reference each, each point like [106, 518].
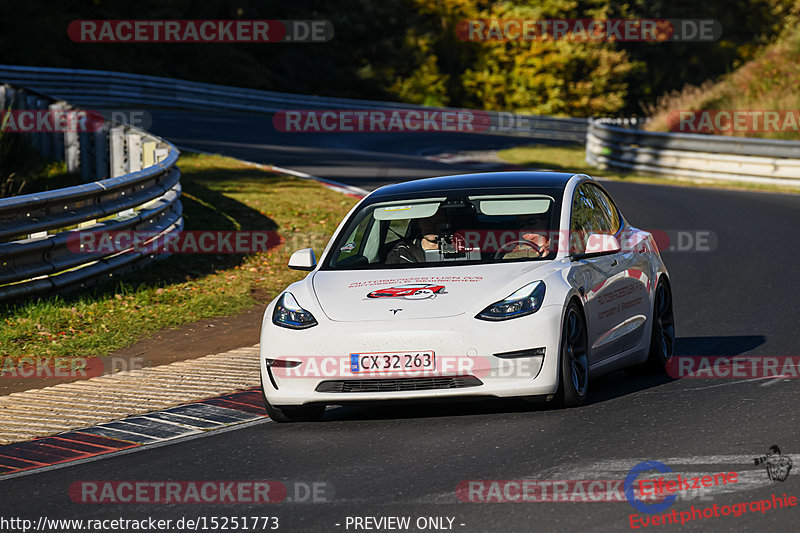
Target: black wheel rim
[664, 322]
[575, 352]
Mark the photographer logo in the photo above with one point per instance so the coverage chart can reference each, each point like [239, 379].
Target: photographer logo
[777, 465]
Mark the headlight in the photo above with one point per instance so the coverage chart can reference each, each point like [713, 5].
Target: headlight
[289, 314]
[525, 301]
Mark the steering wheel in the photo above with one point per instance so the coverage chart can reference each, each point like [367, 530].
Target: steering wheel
[513, 244]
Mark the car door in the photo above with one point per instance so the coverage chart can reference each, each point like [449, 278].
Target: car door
[600, 278]
[634, 284]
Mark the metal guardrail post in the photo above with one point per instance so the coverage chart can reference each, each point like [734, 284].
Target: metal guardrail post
[100, 145]
[134, 142]
[57, 138]
[148, 153]
[72, 151]
[86, 155]
[116, 141]
[45, 137]
[30, 103]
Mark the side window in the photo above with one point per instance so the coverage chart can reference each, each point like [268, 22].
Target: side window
[354, 242]
[584, 220]
[372, 242]
[608, 218]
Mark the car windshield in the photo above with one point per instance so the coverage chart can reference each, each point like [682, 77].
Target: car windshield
[448, 231]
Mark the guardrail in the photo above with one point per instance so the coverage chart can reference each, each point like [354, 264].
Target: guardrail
[136, 187]
[617, 144]
[108, 89]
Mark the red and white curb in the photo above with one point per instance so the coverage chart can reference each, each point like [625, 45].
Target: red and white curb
[66, 406]
[133, 432]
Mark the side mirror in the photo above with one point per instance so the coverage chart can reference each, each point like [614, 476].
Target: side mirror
[303, 260]
[600, 243]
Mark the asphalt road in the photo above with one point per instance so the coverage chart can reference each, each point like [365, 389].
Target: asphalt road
[739, 298]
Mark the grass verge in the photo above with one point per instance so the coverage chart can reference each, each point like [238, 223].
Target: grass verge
[573, 159]
[219, 194]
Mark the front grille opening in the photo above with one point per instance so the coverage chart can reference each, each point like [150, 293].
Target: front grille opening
[398, 385]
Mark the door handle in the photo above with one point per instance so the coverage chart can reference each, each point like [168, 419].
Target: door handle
[614, 263]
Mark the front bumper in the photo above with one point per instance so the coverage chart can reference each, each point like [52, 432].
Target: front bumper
[462, 346]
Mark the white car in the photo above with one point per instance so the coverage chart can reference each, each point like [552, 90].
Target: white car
[503, 284]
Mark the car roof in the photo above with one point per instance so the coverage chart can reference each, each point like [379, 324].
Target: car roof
[518, 181]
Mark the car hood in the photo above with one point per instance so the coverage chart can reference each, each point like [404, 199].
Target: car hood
[363, 295]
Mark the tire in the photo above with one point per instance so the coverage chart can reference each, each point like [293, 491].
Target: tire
[302, 413]
[573, 386]
[662, 336]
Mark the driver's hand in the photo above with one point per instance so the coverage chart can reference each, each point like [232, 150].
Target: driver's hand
[539, 240]
[429, 242]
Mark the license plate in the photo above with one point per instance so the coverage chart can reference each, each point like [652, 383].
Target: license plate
[392, 362]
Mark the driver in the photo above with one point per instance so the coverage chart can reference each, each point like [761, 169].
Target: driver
[534, 230]
[413, 251]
